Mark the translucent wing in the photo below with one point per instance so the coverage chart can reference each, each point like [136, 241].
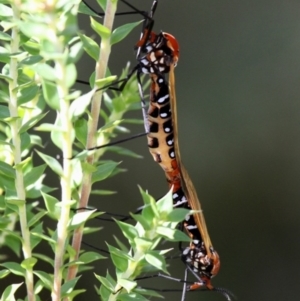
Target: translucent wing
[186, 181]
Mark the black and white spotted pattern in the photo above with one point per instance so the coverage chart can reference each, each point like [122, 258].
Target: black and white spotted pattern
[156, 62]
[158, 56]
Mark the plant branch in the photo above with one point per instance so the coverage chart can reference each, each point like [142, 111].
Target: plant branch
[67, 130]
[101, 67]
[15, 127]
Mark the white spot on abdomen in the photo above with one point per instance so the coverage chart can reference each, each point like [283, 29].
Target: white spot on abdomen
[162, 99]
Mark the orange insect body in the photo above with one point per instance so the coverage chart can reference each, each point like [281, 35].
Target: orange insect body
[162, 52]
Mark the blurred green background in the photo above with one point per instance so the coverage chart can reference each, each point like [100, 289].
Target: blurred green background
[238, 92]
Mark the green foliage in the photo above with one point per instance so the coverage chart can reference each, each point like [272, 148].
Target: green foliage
[153, 225]
[40, 45]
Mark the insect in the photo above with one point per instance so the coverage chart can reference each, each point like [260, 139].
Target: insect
[157, 54]
[200, 257]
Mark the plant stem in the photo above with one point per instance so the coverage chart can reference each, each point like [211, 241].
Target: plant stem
[101, 66]
[62, 233]
[66, 178]
[15, 127]
[132, 265]
[139, 254]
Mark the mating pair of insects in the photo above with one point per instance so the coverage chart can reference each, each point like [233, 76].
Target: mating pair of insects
[157, 56]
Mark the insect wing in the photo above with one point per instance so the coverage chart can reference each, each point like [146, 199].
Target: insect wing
[187, 184]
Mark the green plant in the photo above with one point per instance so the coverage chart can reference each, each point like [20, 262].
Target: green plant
[158, 220]
[40, 48]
